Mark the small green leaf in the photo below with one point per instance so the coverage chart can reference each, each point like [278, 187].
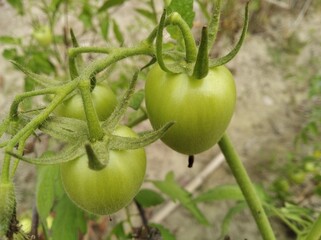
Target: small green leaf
[9, 53]
[69, 221]
[137, 99]
[118, 231]
[149, 198]
[224, 192]
[45, 190]
[119, 36]
[86, 15]
[166, 234]
[104, 25]
[10, 40]
[18, 5]
[110, 3]
[229, 217]
[176, 192]
[184, 8]
[146, 13]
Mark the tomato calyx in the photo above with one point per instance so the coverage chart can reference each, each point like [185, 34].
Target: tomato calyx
[196, 61]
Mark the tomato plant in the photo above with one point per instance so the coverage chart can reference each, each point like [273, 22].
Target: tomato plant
[103, 98]
[201, 108]
[110, 189]
[43, 35]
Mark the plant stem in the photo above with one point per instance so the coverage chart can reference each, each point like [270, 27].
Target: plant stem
[315, 233]
[247, 188]
[95, 130]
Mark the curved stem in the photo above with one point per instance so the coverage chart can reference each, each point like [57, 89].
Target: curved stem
[315, 232]
[19, 98]
[191, 49]
[247, 188]
[32, 125]
[214, 23]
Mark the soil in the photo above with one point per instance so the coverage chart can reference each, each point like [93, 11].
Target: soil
[272, 88]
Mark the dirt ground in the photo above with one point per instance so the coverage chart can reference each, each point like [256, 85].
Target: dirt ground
[269, 113]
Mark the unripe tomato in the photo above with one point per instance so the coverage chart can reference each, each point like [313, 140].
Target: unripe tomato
[104, 101]
[201, 108]
[43, 35]
[108, 190]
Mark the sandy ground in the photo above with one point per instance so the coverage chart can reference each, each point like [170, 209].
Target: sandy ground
[267, 117]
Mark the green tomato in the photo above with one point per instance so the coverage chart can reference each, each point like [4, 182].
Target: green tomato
[201, 108]
[103, 98]
[108, 190]
[298, 177]
[43, 35]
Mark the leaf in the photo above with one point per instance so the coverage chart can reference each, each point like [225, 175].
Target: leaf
[137, 99]
[69, 220]
[110, 3]
[224, 192]
[9, 53]
[149, 198]
[104, 26]
[176, 192]
[119, 36]
[10, 40]
[229, 217]
[18, 5]
[166, 234]
[146, 13]
[184, 8]
[118, 231]
[86, 15]
[45, 190]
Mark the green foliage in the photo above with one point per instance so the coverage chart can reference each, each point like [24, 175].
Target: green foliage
[69, 220]
[177, 193]
[148, 198]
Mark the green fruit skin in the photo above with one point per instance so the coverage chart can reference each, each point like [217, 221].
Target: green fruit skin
[108, 190]
[103, 98]
[201, 108]
[43, 35]
[7, 206]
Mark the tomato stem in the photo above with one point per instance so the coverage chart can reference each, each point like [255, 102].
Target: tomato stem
[201, 66]
[95, 130]
[214, 24]
[246, 187]
[315, 232]
[191, 50]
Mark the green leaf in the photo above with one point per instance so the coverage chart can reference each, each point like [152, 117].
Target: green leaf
[176, 192]
[229, 217]
[110, 3]
[146, 13]
[224, 192]
[9, 53]
[119, 36]
[18, 5]
[119, 232]
[104, 25]
[86, 15]
[45, 190]
[166, 234]
[184, 8]
[137, 99]
[10, 40]
[69, 220]
[149, 198]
